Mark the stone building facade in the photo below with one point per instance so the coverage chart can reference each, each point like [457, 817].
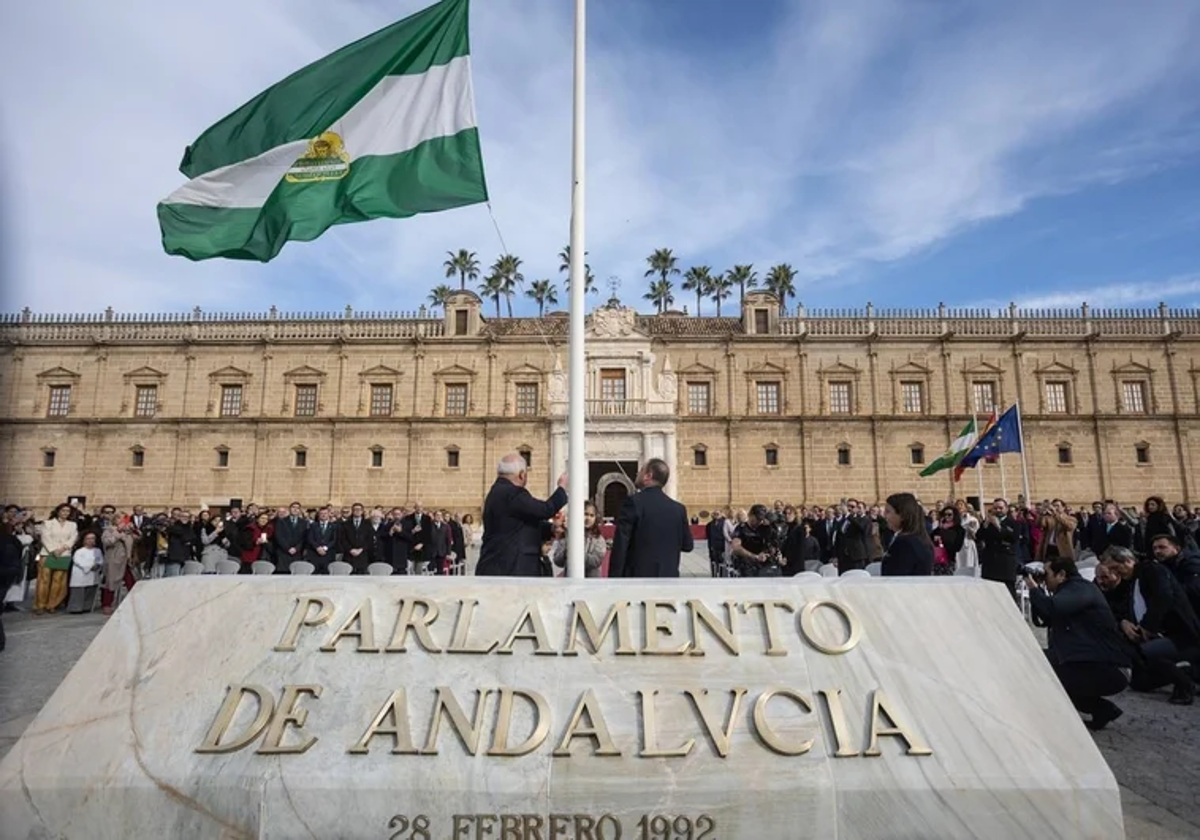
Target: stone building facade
[388, 408]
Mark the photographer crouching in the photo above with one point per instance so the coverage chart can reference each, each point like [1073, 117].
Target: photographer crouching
[757, 543]
[1085, 648]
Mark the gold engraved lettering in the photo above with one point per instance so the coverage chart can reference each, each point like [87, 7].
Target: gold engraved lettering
[841, 727]
[775, 645]
[720, 734]
[654, 625]
[462, 628]
[581, 615]
[468, 731]
[724, 632]
[300, 619]
[650, 748]
[596, 728]
[359, 624]
[880, 704]
[809, 632]
[768, 735]
[536, 633]
[392, 719]
[541, 728]
[233, 699]
[419, 624]
[289, 715]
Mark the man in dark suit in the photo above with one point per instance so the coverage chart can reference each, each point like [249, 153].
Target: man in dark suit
[1112, 531]
[289, 536]
[440, 547]
[458, 539]
[997, 538]
[714, 534]
[853, 538]
[415, 533]
[652, 529]
[357, 540]
[513, 521]
[320, 542]
[825, 530]
[394, 546]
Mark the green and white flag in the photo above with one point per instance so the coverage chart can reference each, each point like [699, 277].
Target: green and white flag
[382, 128]
[957, 451]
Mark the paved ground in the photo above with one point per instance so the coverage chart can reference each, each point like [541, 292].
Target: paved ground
[1154, 750]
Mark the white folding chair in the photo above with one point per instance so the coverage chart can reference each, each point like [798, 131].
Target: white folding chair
[379, 569]
[807, 576]
[855, 574]
[828, 570]
[875, 569]
[812, 566]
[966, 571]
[301, 567]
[193, 567]
[262, 567]
[228, 567]
[339, 567]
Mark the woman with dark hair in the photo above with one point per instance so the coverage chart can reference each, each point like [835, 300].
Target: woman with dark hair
[800, 547]
[58, 536]
[1158, 521]
[948, 535]
[910, 551]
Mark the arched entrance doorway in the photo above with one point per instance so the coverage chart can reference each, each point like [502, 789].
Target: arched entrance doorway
[611, 491]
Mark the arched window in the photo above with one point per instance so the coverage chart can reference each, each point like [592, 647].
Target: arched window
[137, 457]
[700, 455]
[1064, 454]
[916, 454]
[376, 457]
[771, 454]
[452, 457]
[299, 457]
[843, 454]
[1141, 452]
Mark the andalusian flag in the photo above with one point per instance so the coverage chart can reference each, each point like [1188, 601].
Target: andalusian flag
[958, 449]
[382, 128]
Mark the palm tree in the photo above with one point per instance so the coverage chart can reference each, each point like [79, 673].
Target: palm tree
[564, 266]
[543, 291]
[744, 277]
[698, 279]
[508, 268]
[780, 283]
[439, 295]
[720, 287]
[660, 294]
[464, 265]
[493, 287]
[662, 262]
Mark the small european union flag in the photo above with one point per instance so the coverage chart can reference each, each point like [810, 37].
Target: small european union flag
[1003, 436]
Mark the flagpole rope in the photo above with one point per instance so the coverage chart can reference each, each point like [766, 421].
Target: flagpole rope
[496, 225]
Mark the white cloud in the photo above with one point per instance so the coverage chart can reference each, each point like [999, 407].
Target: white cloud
[1118, 295]
[858, 132]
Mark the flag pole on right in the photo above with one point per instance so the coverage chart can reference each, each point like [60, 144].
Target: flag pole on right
[577, 468]
[1024, 464]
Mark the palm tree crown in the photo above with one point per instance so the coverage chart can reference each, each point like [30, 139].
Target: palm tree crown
[464, 265]
[493, 287]
[780, 282]
[564, 266]
[543, 291]
[744, 277]
[439, 295]
[662, 262]
[698, 279]
[508, 268]
[720, 287]
[661, 294]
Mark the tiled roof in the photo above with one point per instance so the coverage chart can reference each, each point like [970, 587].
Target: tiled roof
[501, 327]
[683, 326]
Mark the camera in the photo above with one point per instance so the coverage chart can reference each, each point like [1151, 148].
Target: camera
[1034, 571]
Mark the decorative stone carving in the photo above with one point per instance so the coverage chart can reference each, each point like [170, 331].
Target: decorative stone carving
[617, 322]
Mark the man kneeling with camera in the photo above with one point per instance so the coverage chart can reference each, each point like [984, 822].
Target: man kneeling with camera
[757, 543]
[1085, 646]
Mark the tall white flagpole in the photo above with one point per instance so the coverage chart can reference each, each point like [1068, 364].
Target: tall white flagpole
[1024, 464]
[576, 449]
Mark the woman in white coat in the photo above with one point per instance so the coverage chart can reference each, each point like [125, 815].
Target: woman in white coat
[968, 555]
[58, 535]
[85, 574]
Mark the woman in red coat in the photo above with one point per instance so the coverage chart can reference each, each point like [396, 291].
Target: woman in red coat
[256, 537]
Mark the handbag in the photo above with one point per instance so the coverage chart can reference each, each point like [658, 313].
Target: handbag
[57, 562]
[941, 557]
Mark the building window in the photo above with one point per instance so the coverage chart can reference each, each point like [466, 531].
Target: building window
[60, 401]
[839, 397]
[300, 458]
[381, 400]
[48, 457]
[772, 456]
[1064, 453]
[912, 397]
[984, 397]
[456, 400]
[146, 401]
[699, 398]
[768, 397]
[699, 456]
[527, 399]
[452, 458]
[222, 458]
[916, 454]
[527, 455]
[376, 457]
[1142, 453]
[612, 389]
[1133, 395]
[138, 458]
[231, 400]
[762, 321]
[460, 322]
[843, 455]
[306, 400]
[1056, 397]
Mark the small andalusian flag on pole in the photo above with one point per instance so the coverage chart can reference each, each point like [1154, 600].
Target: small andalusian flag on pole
[957, 451]
[382, 128]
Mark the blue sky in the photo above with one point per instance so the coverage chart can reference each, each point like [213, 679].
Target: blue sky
[905, 152]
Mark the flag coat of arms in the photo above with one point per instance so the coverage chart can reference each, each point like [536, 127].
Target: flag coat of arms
[383, 128]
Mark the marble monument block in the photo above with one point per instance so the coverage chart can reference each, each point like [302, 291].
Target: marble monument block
[413, 708]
